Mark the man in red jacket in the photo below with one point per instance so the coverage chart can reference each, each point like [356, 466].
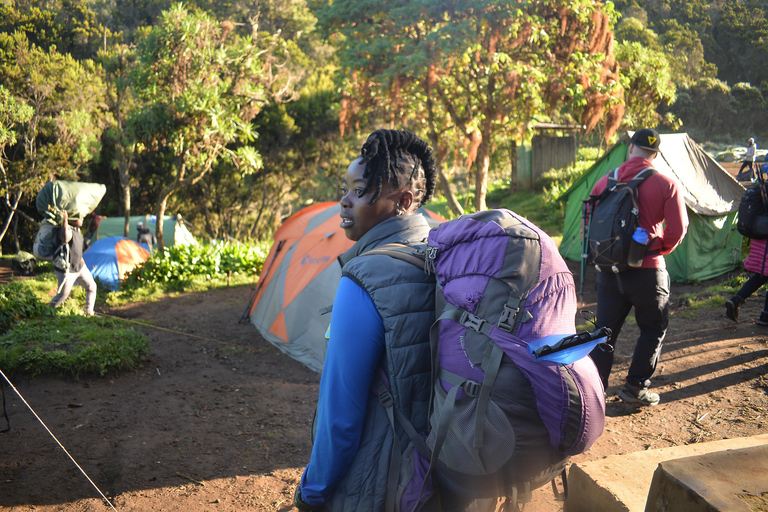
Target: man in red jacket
[663, 215]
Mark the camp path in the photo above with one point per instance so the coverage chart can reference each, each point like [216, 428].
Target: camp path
[219, 420]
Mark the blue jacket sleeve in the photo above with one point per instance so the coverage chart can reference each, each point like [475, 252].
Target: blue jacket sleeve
[354, 348]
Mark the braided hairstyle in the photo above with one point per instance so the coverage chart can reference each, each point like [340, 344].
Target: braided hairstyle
[400, 158]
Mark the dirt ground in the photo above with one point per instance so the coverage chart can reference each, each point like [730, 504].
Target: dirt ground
[218, 419]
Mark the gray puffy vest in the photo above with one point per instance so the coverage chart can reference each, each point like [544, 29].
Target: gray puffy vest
[405, 298]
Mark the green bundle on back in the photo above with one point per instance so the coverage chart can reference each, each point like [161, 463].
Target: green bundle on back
[78, 199]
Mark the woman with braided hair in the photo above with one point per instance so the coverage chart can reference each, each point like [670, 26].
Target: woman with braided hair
[375, 387]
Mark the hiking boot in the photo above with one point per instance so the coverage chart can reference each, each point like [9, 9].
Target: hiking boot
[763, 320]
[732, 307]
[640, 396]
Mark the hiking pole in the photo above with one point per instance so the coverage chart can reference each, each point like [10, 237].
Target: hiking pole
[57, 441]
[584, 242]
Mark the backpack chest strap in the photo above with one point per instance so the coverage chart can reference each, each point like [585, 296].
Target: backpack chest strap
[511, 316]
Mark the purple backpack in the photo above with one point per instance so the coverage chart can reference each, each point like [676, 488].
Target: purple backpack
[501, 419]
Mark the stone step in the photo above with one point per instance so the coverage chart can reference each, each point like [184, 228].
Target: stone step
[724, 481]
[620, 483]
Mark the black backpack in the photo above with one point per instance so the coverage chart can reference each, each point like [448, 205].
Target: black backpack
[614, 215]
[753, 213]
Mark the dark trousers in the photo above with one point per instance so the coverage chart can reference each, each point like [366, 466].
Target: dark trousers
[647, 290]
[751, 286]
[746, 175]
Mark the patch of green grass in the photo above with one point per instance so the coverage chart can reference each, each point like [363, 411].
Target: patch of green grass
[711, 297]
[18, 303]
[71, 345]
[153, 292]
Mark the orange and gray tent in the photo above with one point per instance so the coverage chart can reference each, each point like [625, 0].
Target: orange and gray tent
[298, 282]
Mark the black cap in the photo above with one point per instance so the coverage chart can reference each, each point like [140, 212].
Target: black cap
[647, 138]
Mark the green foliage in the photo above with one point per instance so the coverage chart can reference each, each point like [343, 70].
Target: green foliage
[72, 345]
[547, 215]
[705, 43]
[706, 108]
[70, 26]
[178, 266]
[63, 134]
[200, 85]
[18, 303]
[740, 41]
[12, 113]
[472, 74]
[38, 339]
[631, 29]
[685, 52]
[646, 78]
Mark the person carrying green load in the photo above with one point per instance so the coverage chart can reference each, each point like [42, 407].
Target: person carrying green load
[69, 266]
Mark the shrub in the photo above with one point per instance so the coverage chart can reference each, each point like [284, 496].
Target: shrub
[18, 303]
[179, 265]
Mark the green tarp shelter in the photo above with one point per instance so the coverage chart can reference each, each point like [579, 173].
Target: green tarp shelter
[175, 231]
[712, 245]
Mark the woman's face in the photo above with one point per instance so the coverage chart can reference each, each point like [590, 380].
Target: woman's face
[357, 216]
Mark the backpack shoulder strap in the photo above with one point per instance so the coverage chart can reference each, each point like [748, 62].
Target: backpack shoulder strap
[613, 180]
[400, 252]
[641, 177]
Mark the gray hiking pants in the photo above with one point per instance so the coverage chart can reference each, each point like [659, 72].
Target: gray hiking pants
[68, 279]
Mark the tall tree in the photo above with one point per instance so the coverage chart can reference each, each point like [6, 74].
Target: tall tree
[62, 137]
[493, 67]
[200, 84]
[12, 114]
[118, 63]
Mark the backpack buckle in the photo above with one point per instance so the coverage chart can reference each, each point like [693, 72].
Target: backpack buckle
[504, 323]
[470, 388]
[471, 321]
[386, 399]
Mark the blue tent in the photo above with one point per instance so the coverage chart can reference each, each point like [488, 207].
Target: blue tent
[109, 259]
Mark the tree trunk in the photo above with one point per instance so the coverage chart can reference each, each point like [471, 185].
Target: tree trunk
[445, 185]
[482, 163]
[160, 214]
[213, 233]
[513, 163]
[125, 186]
[16, 234]
[453, 202]
[11, 211]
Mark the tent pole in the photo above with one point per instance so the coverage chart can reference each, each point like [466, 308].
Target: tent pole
[584, 242]
[246, 316]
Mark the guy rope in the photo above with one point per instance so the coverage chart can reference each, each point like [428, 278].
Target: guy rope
[57, 441]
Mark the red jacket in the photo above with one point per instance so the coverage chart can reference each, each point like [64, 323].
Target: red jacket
[662, 209]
